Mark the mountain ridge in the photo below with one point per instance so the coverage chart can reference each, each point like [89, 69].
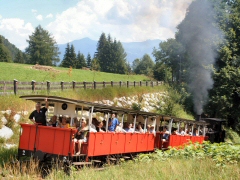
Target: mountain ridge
[133, 49]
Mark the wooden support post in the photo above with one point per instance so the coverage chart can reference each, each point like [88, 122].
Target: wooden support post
[73, 85]
[112, 83]
[33, 85]
[62, 85]
[48, 86]
[127, 83]
[134, 83]
[104, 84]
[15, 86]
[94, 85]
[146, 83]
[140, 83]
[84, 85]
[120, 83]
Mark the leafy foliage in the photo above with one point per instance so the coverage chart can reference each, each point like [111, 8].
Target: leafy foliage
[222, 153]
[4, 52]
[111, 55]
[42, 48]
[144, 65]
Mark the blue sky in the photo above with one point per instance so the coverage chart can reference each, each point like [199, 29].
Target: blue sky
[68, 20]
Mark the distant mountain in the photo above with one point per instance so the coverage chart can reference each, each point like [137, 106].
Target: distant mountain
[133, 49]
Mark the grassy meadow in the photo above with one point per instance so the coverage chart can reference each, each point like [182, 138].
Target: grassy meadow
[23, 72]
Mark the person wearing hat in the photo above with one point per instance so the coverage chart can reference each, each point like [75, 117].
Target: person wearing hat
[81, 135]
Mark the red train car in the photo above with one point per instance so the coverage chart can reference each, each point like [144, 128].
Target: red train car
[39, 141]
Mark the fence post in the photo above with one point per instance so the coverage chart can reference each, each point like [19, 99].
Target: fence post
[134, 83]
[104, 85]
[146, 83]
[73, 85]
[140, 83]
[62, 85]
[33, 85]
[94, 85]
[84, 85]
[157, 83]
[112, 83]
[15, 82]
[152, 83]
[48, 86]
[127, 83]
[120, 83]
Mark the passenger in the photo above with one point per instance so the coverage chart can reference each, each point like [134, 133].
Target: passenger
[53, 122]
[174, 132]
[39, 114]
[139, 128]
[182, 132]
[151, 130]
[195, 132]
[119, 128]
[94, 123]
[148, 129]
[81, 135]
[76, 122]
[99, 127]
[165, 134]
[128, 127]
[113, 122]
[64, 123]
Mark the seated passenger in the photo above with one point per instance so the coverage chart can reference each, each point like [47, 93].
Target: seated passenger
[53, 122]
[81, 135]
[148, 128]
[165, 134]
[64, 123]
[182, 132]
[119, 128]
[139, 128]
[174, 132]
[195, 132]
[99, 127]
[128, 127]
[94, 123]
[151, 130]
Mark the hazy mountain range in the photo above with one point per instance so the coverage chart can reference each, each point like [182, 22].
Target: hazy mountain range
[133, 49]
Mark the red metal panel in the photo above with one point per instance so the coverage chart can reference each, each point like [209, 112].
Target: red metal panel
[142, 143]
[27, 138]
[54, 140]
[158, 143]
[150, 142]
[117, 143]
[131, 142]
[91, 143]
[102, 143]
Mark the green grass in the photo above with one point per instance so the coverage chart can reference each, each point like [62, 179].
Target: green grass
[23, 72]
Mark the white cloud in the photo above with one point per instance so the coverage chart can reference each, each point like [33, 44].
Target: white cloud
[39, 17]
[135, 20]
[34, 11]
[16, 31]
[0, 16]
[49, 15]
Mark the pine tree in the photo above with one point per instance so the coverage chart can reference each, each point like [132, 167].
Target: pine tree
[89, 61]
[73, 56]
[111, 55]
[81, 62]
[42, 48]
[19, 58]
[67, 62]
[4, 53]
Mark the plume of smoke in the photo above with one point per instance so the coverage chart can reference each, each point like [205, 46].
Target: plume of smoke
[198, 34]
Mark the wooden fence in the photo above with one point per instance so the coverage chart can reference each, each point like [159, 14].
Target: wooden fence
[17, 87]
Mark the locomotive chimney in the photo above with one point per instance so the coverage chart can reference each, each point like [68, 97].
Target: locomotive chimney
[198, 118]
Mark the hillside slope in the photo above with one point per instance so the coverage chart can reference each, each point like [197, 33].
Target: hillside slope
[23, 72]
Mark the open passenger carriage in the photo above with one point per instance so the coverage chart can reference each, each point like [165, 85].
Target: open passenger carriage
[39, 141]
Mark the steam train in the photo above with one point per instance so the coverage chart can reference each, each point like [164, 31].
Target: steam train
[44, 141]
